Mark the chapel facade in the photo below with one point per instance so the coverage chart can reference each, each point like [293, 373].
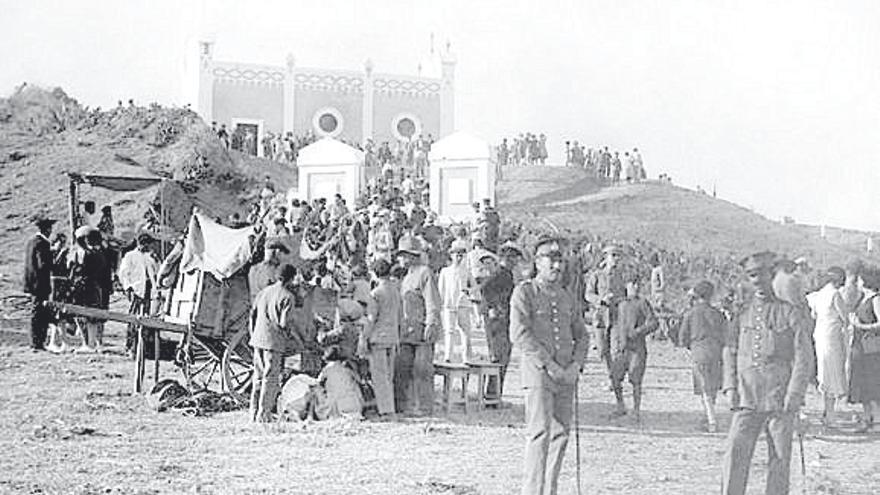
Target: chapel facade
[344, 104]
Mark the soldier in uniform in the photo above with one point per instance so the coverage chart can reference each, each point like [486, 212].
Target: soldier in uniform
[419, 329]
[605, 289]
[550, 331]
[768, 360]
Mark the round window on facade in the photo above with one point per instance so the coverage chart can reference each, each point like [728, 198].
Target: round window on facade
[406, 126]
[328, 122]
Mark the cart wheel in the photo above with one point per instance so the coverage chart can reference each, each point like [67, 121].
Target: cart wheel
[200, 359]
[238, 367]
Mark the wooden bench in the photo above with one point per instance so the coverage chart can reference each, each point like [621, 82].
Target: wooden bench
[482, 372]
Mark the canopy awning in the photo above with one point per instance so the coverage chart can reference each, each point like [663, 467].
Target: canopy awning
[116, 183]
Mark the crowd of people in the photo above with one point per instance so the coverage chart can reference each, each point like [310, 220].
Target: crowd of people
[611, 168]
[402, 282]
[411, 153]
[525, 149]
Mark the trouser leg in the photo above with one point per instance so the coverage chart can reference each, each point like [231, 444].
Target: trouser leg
[257, 383]
[273, 362]
[381, 370]
[41, 316]
[498, 341]
[559, 430]
[464, 319]
[423, 377]
[448, 322]
[745, 427]
[403, 381]
[538, 411]
[779, 431]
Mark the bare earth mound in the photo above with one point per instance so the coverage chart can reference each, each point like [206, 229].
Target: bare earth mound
[45, 134]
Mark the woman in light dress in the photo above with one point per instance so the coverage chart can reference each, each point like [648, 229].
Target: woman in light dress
[829, 312]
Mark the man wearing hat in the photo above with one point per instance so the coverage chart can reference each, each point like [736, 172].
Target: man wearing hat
[38, 280]
[703, 331]
[419, 329]
[545, 323]
[605, 289]
[265, 273]
[768, 360]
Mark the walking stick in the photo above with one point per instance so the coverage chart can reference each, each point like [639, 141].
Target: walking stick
[577, 440]
[800, 432]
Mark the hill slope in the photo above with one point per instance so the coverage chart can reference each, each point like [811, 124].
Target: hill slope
[44, 134]
[667, 215]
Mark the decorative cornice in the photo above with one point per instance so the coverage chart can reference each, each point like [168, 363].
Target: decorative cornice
[329, 82]
[396, 86]
[248, 75]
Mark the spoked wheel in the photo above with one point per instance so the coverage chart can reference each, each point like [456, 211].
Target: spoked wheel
[201, 362]
[238, 367]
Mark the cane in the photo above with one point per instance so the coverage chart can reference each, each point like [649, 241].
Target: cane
[577, 440]
[803, 457]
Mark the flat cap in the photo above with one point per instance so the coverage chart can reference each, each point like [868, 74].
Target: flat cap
[763, 260]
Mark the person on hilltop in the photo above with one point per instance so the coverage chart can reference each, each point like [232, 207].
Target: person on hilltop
[105, 224]
[38, 280]
[768, 362]
[551, 334]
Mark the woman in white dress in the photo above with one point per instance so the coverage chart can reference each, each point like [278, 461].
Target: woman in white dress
[829, 312]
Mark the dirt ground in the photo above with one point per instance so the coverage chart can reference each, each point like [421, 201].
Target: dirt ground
[70, 424]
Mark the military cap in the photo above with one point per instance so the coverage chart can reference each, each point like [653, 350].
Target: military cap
[277, 245]
[763, 260]
[547, 244]
[83, 231]
[458, 245]
[703, 289]
[409, 245]
[611, 249]
[510, 246]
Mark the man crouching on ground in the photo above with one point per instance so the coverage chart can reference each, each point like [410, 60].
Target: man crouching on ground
[272, 333]
[546, 324]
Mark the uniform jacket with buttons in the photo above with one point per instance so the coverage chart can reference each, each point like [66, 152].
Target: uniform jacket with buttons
[547, 326]
[600, 283]
[768, 356]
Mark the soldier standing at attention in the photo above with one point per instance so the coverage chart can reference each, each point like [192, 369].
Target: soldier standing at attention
[549, 329]
[605, 290]
[768, 361]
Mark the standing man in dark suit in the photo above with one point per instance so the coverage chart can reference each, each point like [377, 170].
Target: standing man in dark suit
[38, 280]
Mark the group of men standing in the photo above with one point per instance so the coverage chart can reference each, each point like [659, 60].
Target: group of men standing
[767, 360]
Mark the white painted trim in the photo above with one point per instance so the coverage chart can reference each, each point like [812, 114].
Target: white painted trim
[260, 130]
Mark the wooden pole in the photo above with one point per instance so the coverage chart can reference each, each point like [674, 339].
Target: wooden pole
[139, 362]
[73, 205]
[156, 348]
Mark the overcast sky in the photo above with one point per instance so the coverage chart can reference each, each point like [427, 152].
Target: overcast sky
[777, 104]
